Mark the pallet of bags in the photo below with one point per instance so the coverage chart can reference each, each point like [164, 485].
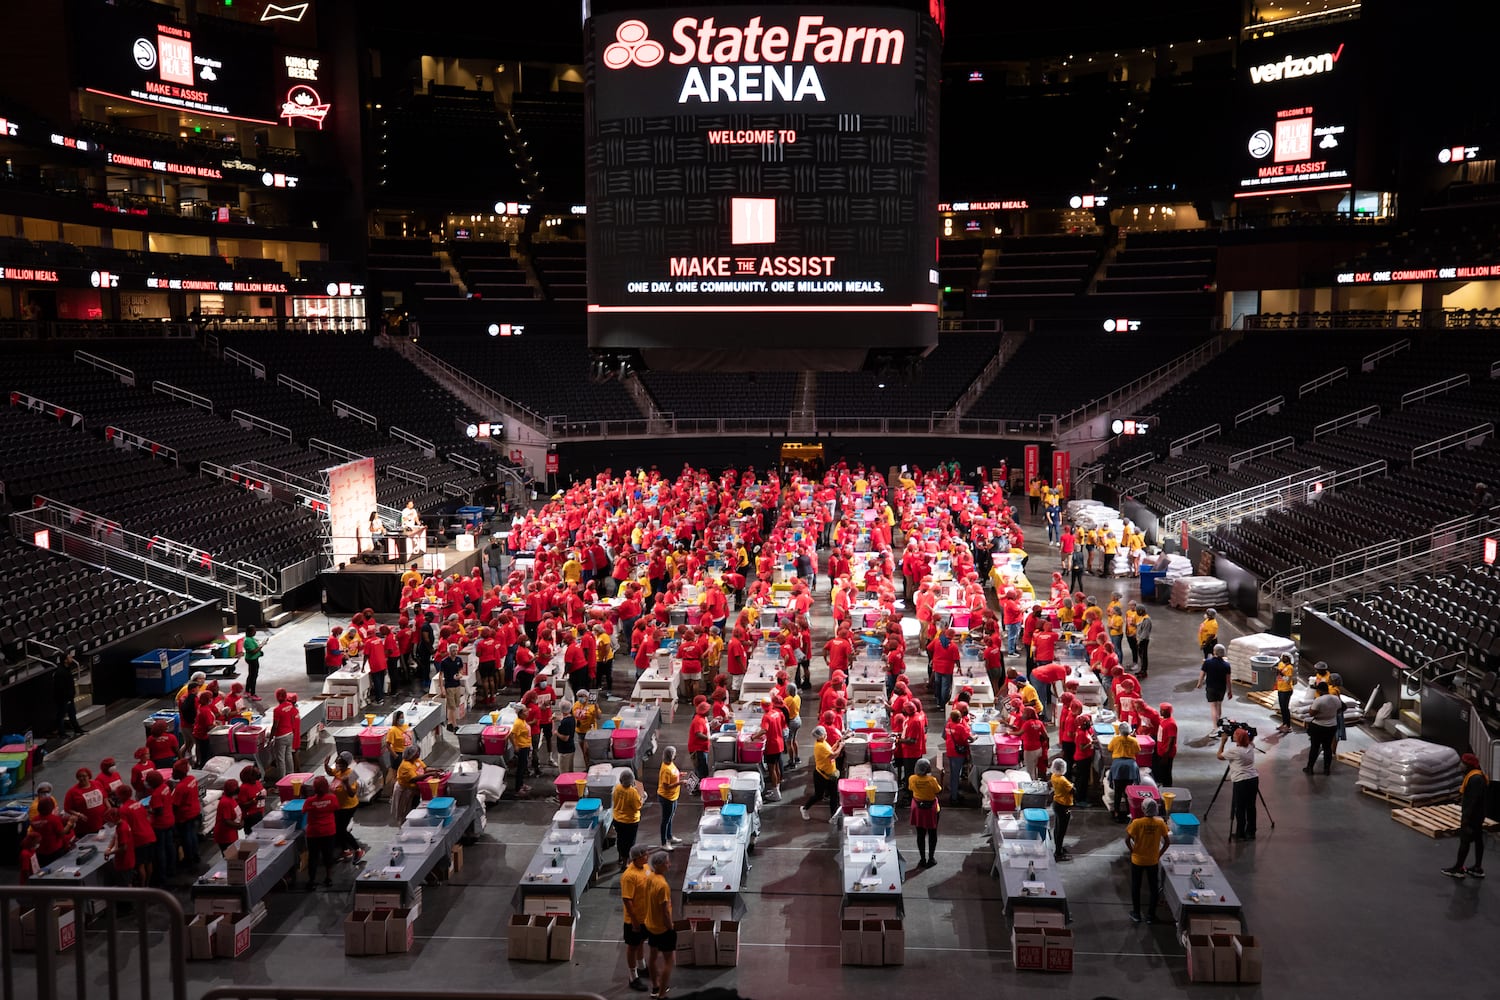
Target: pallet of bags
[1243, 648]
[1411, 770]
[1301, 704]
[1194, 593]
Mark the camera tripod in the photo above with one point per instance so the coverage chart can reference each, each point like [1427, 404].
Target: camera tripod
[1258, 794]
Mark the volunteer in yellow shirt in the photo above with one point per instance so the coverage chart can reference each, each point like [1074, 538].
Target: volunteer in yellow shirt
[825, 773]
[520, 746]
[793, 704]
[1208, 632]
[1286, 676]
[659, 933]
[668, 788]
[634, 881]
[1062, 808]
[925, 789]
[346, 792]
[1116, 628]
[1146, 838]
[1124, 746]
[586, 714]
[404, 795]
[396, 738]
[572, 569]
[627, 801]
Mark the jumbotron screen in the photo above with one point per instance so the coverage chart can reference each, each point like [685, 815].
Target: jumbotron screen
[762, 178]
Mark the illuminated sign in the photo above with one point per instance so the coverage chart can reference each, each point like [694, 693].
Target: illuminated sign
[1294, 66]
[1088, 201]
[9, 128]
[663, 248]
[302, 68]
[1490, 545]
[104, 279]
[303, 104]
[67, 142]
[132, 55]
[345, 290]
[1121, 325]
[853, 57]
[291, 12]
[976, 76]
[31, 274]
[1465, 272]
[506, 329]
[270, 179]
[164, 166]
[512, 208]
[1129, 428]
[1007, 205]
[211, 285]
[1448, 154]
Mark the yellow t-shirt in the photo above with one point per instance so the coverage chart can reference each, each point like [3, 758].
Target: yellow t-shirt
[1110, 543]
[1062, 790]
[572, 571]
[348, 797]
[410, 577]
[1149, 834]
[658, 905]
[406, 774]
[668, 783]
[924, 787]
[1124, 747]
[627, 804]
[793, 703]
[1285, 672]
[395, 739]
[1116, 625]
[587, 717]
[823, 760]
[1130, 619]
[520, 734]
[1208, 631]
[1030, 698]
[634, 881]
[604, 650]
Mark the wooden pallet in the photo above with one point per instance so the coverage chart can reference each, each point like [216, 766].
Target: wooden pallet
[1434, 821]
[1401, 801]
[1268, 701]
[1351, 757]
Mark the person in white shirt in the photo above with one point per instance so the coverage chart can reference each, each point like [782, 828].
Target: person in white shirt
[411, 523]
[1322, 726]
[1245, 782]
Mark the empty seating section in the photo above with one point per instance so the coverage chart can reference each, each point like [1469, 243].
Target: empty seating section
[1151, 265]
[36, 253]
[1470, 239]
[490, 270]
[69, 605]
[945, 374]
[699, 395]
[1160, 161]
[465, 128]
[38, 457]
[1047, 266]
[548, 373]
[560, 266]
[410, 267]
[1433, 617]
[958, 262]
[1053, 373]
[550, 128]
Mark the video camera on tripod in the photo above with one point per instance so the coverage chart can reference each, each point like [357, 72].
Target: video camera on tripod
[1228, 727]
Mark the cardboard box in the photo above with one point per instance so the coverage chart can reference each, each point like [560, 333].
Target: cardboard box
[375, 931]
[1247, 949]
[381, 900]
[1209, 926]
[539, 939]
[548, 906]
[727, 944]
[1029, 946]
[401, 930]
[894, 948]
[871, 942]
[243, 858]
[201, 931]
[849, 942]
[870, 913]
[685, 943]
[1226, 968]
[1058, 955]
[354, 932]
[456, 859]
[25, 929]
[1200, 956]
[560, 941]
[232, 939]
[213, 905]
[706, 911]
[705, 948]
[516, 933]
[1037, 916]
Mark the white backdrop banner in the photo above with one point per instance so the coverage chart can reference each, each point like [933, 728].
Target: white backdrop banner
[351, 498]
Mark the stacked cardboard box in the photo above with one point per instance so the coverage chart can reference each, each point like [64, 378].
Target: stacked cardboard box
[537, 938]
[222, 935]
[25, 926]
[1219, 953]
[1040, 940]
[707, 943]
[243, 859]
[872, 941]
[380, 929]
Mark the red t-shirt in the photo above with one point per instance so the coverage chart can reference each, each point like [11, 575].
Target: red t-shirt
[185, 801]
[1044, 646]
[1033, 734]
[320, 811]
[914, 737]
[698, 734]
[1166, 740]
[955, 739]
[944, 658]
[736, 661]
[838, 651]
[774, 724]
[1051, 673]
[89, 802]
[163, 817]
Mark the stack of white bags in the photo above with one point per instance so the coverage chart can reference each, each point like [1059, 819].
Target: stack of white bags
[1261, 644]
[1411, 769]
[1194, 593]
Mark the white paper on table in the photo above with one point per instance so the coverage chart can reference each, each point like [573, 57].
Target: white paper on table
[869, 882]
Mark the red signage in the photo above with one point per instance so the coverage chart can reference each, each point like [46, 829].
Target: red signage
[302, 102]
[1062, 471]
[1033, 462]
[1490, 545]
[551, 463]
[28, 274]
[516, 456]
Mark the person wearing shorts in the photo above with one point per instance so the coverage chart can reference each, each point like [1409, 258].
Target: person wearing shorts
[634, 881]
[452, 668]
[1214, 679]
[660, 936]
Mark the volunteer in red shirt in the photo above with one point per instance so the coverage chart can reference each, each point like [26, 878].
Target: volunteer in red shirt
[1083, 758]
[911, 744]
[690, 650]
[132, 812]
[945, 652]
[321, 810]
[286, 734]
[1166, 746]
[1067, 728]
[31, 865]
[956, 740]
[773, 726]
[227, 817]
[333, 653]
[736, 661]
[138, 771]
[1033, 735]
[1013, 619]
[87, 803]
[55, 833]
[994, 661]
[698, 744]
[162, 746]
[487, 660]
[838, 651]
[187, 807]
[1045, 678]
[163, 824]
[109, 780]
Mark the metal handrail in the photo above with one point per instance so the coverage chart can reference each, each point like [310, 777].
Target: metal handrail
[1369, 361]
[1203, 351]
[1196, 437]
[333, 451]
[129, 439]
[125, 375]
[1239, 458]
[250, 420]
[299, 387]
[1322, 381]
[44, 897]
[1135, 463]
[1272, 405]
[343, 409]
[420, 443]
[35, 405]
[1196, 472]
[504, 403]
[1434, 389]
[256, 367]
[1243, 503]
[1403, 564]
[192, 398]
[406, 475]
[1363, 415]
[1470, 437]
[465, 462]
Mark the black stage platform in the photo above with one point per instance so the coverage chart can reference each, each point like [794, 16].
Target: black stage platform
[359, 585]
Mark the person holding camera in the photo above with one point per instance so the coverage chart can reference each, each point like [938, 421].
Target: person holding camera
[1245, 781]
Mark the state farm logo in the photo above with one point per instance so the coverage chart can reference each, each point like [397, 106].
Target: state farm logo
[1295, 66]
[633, 47]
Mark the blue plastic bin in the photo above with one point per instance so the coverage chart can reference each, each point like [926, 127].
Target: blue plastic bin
[732, 816]
[1184, 827]
[161, 671]
[1037, 820]
[292, 809]
[442, 807]
[587, 810]
[883, 819]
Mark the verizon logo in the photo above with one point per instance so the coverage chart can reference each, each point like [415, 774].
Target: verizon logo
[1294, 66]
